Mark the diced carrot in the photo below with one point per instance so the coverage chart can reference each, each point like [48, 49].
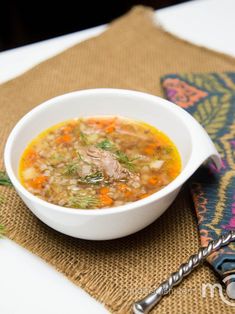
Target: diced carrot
[38, 182]
[128, 193]
[107, 123]
[67, 129]
[66, 138]
[104, 190]
[153, 180]
[94, 122]
[91, 121]
[110, 129]
[122, 187]
[150, 149]
[106, 200]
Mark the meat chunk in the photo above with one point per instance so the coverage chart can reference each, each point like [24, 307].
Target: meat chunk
[106, 162]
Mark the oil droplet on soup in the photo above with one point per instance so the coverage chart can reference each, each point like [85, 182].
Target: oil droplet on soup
[98, 162]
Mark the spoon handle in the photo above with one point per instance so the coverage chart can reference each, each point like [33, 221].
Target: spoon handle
[145, 305]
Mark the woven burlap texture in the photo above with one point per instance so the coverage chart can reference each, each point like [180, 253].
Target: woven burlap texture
[133, 53]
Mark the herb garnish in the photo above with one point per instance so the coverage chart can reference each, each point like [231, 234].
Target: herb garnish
[92, 178]
[4, 180]
[55, 159]
[125, 160]
[106, 145]
[80, 157]
[83, 200]
[84, 138]
[121, 156]
[167, 149]
[71, 169]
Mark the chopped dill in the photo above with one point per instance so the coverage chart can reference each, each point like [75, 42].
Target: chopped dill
[80, 158]
[84, 138]
[4, 180]
[84, 200]
[125, 160]
[71, 169]
[121, 156]
[168, 149]
[55, 159]
[106, 145]
[92, 178]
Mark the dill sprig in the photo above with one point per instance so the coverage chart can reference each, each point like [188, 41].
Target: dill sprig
[4, 179]
[84, 200]
[125, 160]
[80, 158]
[92, 178]
[84, 138]
[55, 159]
[121, 156]
[106, 145]
[71, 169]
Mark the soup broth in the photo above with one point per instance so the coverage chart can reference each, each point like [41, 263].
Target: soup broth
[98, 162]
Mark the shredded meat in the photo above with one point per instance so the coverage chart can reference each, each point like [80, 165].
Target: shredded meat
[107, 162]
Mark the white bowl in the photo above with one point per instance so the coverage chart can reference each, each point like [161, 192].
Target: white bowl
[192, 141]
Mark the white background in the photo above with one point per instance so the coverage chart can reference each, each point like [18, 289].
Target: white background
[27, 284]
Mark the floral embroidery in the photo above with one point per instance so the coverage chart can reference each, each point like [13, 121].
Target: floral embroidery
[181, 93]
[210, 98]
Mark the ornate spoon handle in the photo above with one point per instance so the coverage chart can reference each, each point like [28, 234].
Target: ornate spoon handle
[145, 305]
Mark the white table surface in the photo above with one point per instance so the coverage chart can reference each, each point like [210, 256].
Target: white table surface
[27, 284]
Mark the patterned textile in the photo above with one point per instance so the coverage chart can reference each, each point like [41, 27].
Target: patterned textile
[210, 98]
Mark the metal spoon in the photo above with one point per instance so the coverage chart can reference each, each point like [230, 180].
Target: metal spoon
[145, 305]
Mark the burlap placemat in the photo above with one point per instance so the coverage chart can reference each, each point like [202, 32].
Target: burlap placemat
[133, 53]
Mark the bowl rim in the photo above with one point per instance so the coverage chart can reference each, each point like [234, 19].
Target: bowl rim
[189, 168]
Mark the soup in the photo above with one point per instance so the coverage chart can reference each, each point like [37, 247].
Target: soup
[98, 162]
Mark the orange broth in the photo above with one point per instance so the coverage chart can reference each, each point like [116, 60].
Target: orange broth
[98, 162]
